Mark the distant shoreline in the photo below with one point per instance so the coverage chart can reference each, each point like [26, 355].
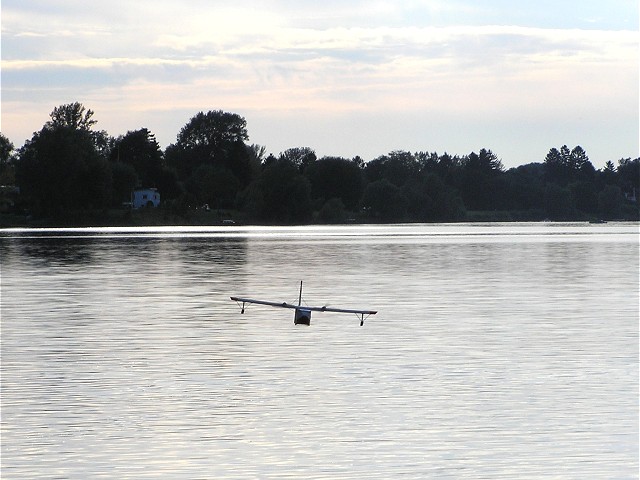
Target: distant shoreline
[160, 218]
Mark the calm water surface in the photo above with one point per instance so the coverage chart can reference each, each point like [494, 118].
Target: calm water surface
[499, 351]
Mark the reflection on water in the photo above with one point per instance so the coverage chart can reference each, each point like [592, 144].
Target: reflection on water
[499, 351]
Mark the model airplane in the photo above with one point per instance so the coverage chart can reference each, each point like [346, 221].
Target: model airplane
[303, 313]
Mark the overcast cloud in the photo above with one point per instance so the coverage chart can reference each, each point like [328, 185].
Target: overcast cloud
[343, 77]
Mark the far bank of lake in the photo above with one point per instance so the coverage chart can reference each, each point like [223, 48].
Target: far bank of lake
[202, 217]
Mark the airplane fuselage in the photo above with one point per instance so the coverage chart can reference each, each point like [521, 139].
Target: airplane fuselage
[302, 317]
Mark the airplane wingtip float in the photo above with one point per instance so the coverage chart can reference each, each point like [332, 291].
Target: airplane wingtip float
[302, 313]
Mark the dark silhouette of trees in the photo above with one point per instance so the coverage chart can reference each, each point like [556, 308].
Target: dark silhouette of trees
[332, 211]
[257, 156]
[61, 170]
[335, 178]
[301, 157]
[280, 195]
[425, 187]
[213, 131]
[72, 115]
[384, 201]
[629, 175]
[211, 158]
[397, 168]
[478, 179]
[140, 150]
[447, 205]
[557, 202]
[124, 180]
[76, 117]
[589, 192]
[610, 202]
[214, 186]
[608, 174]
[564, 166]
[584, 196]
[526, 187]
[214, 138]
[69, 166]
[6, 150]
[429, 199]
[7, 173]
[167, 183]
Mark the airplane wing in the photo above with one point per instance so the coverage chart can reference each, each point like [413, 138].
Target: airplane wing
[304, 307]
[341, 310]
[262, 302]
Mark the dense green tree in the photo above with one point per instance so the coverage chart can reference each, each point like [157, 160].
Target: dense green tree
[397, 168]
[419, 202]
[485, 162]
[429, 199]
[427, 162]
[610, 201]
[61, 170]
[72, 115]
[578, 162]
[555, 168]
[240, 162]
[168, 185]
[358, 161]
[76, 117]
[215, 186]
[7, 173]
[301, 157]
[384, 200]
[6, 150]
[477, 180]
[214, 138]
[335, 177]
[269, 160]
[446, 204]
[629, 175]
[475, 190]
[214, 130]
[251, 201]
[64, 168]
[608, 175]
[124, 180]
[564, 166]
[256, 155]
[183, 161]
[557, 202]
[140, 150]
[448, 167]
[585, 196]
[332, 212]
[280, 195]
[526, 187]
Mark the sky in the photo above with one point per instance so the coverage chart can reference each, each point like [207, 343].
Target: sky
[345, 78]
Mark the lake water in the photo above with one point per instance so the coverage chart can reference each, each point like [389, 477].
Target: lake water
[498, 351]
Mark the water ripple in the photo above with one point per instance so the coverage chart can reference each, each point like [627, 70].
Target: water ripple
[495, 354]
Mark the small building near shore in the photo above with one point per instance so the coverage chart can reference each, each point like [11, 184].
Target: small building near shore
[145, 198]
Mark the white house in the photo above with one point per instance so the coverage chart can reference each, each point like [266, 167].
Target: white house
[145, 197]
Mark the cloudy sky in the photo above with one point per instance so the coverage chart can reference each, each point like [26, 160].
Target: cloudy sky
[349, 77]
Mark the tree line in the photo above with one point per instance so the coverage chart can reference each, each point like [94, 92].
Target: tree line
[71, 167]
